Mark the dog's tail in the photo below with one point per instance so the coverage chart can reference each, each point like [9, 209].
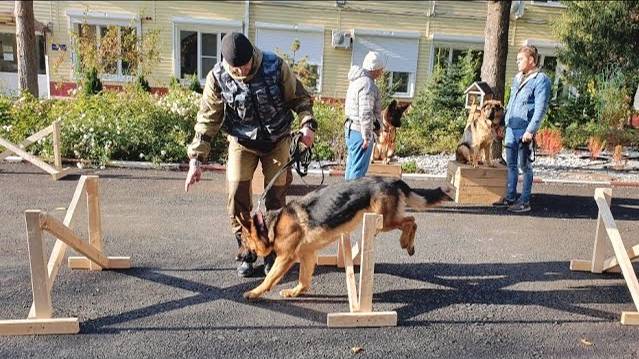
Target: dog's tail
[424, 198]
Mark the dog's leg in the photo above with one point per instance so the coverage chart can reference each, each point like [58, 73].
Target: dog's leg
[475, 155]
[307, 267]
[488, 160]
[280, 268]
[407, 239]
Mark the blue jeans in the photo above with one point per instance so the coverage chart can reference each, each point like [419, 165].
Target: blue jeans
[517, 157]
[358, 159]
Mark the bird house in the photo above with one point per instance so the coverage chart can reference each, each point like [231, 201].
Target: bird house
[477, 93]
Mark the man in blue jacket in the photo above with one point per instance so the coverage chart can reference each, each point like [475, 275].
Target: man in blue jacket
[529, 96]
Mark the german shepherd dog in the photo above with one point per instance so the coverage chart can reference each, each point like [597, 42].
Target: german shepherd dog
[479, 134]
[304, 226]
[392, 118]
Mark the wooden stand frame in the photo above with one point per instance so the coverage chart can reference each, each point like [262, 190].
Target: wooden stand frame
[361, 304]
[621, 259]
[56, 171]
[477, 185]
[40, 320]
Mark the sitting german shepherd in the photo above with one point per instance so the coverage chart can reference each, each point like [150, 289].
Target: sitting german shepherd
[479, 134]
[304, 226]
[392, 118]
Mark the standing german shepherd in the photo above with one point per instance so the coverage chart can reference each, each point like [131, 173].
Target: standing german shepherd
[304, 226]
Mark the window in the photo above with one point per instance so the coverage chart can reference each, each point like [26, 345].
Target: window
[197, 45]
[400, 52]
[9, 59]
[279, 38]
[115, 64]
[446, 56]
[199, 52]
[116, 30]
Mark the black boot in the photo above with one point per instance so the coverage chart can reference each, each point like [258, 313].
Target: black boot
[268, 262]
[246, 267]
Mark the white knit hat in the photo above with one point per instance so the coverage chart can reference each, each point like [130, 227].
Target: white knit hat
[373, 61]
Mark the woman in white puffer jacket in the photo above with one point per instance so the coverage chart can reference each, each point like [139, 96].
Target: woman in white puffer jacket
[363, 114]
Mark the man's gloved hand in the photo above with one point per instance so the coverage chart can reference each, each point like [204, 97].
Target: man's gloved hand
[194, 175]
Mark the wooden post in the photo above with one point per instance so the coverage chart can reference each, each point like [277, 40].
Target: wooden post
[39, 277]
[57, 156]
[599, 250]
[351, 287]
[367, 268]
[95, 223]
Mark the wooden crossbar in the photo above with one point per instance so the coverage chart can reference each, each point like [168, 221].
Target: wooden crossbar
[621, 259]
[56, 171]
[361, 312]
[43, 273]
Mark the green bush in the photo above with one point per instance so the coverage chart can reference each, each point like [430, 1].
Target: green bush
[91, 84]
[329, 139]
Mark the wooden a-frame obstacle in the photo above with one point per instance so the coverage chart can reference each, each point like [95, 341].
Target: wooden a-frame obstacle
[40, 319]
[56, 171]
[621, 260]
[361, 312]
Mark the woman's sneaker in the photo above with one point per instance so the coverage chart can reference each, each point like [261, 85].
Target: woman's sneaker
[519, 207]
[503, 203]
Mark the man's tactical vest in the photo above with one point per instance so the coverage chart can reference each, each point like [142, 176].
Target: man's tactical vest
[255, 112]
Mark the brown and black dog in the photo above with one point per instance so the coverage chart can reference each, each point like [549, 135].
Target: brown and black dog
[392, 119]
[479, 134]
[304, 226]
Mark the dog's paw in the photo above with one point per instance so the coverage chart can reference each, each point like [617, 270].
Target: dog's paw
[410, 250]
[251, 295]
[289, 293]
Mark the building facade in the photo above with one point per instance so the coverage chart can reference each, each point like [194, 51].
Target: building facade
[333, 35]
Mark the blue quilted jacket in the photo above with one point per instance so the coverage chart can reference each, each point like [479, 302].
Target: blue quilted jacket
[528, 103]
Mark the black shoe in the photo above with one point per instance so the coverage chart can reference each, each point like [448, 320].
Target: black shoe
[245, 269]
[519, 207]
[503, 203]
[268, 262]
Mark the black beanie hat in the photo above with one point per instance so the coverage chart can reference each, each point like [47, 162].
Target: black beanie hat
[236, 49]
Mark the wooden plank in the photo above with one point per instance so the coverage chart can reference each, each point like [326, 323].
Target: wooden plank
[340, 251]
[350, 274]
[630, 318]
[372, 222]
[618, 247]
[380, 169]
[476, 198]
[612, 263]
[483, 182]
[60, 248]
[27, 156]
[85, 263]
[580, 265]
[39, 326]
[39, 278]
[65, 234]
[64, 172]
[95, 223]
[327, 260]
[599, 251]
[28, 141]
[57, 157]
[353, 320]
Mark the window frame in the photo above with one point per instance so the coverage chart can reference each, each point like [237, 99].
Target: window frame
[78, 17]
[453, 42]
[412, 77]
[549, 3]
[199, 25]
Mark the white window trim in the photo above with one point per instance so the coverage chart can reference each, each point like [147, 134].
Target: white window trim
[548, 4]
[412, 76]
[200, 25]
[299, 27]
[104, 18]
[411, 86]
[463, 41]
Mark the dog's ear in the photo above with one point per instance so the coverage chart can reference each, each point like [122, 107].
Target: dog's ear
[392, 105]
[244, 221]
[259, 225]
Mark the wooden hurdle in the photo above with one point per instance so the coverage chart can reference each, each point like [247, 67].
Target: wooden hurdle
[622, 257]
[40, 319]
[361, 312]
[56, 171]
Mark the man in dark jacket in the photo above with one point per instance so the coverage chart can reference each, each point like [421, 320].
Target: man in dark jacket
[249, 95]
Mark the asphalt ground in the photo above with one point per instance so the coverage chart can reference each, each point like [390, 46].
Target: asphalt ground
[482, 283]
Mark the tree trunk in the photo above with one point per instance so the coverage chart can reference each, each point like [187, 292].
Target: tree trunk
[493, 69]
[26, 47]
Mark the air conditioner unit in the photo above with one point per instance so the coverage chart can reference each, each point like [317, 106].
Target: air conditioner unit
[341, 39]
